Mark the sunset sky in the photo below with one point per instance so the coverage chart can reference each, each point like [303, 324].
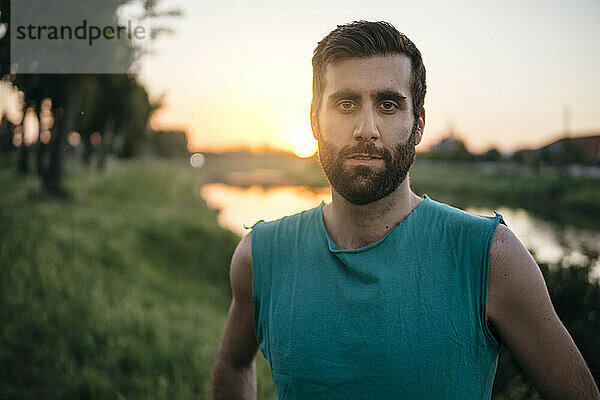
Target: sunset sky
[506, 74]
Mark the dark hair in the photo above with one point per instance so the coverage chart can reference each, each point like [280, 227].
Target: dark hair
[361, 39]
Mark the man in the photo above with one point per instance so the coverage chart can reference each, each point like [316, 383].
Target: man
[383, 294]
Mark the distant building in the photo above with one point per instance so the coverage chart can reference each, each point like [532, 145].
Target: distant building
[572, 150]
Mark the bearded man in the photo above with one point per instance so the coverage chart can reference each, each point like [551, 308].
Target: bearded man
[383, 294]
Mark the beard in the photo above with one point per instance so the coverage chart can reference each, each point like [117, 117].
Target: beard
[361, 184]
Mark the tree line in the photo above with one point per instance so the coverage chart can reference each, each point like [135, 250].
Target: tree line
[103, 109]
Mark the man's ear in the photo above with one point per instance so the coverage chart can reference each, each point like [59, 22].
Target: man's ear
[314, 123]
[420, 127]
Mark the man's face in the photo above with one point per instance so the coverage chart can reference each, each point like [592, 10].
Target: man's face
[365, 126]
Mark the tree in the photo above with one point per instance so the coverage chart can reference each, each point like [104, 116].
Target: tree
[492, 155]
[71, 93]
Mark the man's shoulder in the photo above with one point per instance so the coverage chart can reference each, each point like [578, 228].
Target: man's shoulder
[240, 270]
[507, 252]
[453, 215]
[277, 239]
[292, 219]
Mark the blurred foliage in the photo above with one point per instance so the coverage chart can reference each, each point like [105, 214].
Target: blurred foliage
[114, 107]
[550, 194]
[450, 149]
[120, 292]
[566, 151]
[576, 298]
[168, 143]
[492, 155]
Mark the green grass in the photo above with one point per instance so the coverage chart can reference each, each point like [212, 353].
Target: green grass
[119, 292]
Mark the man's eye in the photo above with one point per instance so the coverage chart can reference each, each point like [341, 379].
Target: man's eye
[346, 106]
[387, 106]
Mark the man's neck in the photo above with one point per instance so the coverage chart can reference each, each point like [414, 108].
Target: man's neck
[353, 226]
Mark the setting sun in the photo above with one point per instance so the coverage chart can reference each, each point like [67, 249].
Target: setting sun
[304, 144]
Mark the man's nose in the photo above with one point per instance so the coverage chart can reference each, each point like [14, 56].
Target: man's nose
[366, 127]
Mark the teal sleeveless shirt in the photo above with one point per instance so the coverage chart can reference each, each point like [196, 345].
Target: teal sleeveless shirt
[402, 318]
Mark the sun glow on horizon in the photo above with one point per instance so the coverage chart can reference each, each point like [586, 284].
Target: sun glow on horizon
[303, 143]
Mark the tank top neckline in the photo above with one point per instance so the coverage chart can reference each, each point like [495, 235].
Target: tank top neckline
[333, 247]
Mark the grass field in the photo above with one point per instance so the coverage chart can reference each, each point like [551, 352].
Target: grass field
[119, 292]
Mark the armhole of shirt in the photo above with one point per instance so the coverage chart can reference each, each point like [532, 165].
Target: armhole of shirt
[497, 219]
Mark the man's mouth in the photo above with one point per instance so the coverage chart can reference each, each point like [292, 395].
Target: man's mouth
[364, 157]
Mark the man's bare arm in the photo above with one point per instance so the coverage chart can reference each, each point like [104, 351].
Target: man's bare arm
[234, 370]
[520, 309]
